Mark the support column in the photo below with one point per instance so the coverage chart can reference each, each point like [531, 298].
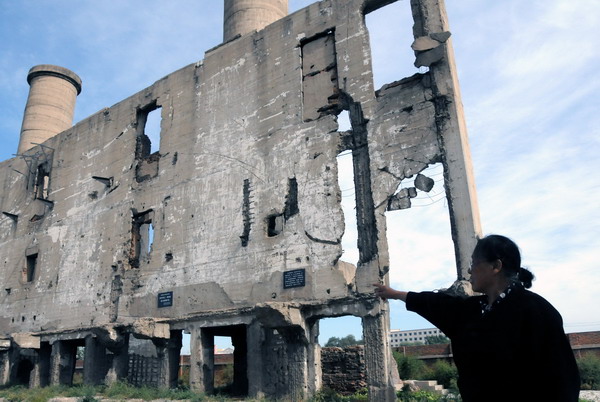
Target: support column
[14, 358]
[255, 340]
[297, 370]
[62, 363]
[240, 364]
[119, 365]
[196, 383]
[4, 367]
[378, 358]
[40, 375]
[430, 18]
[95, 361]
[315, 372]
[168, 357]
[207, 340]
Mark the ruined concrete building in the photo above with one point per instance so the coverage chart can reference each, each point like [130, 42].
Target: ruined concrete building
[233, 227]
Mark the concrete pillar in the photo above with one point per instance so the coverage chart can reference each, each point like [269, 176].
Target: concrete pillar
[62, 363]
[95, 361]
[244, 16]
[207, 353]
[4, 367]
[119, 364]
[240, 363]
[255, 340]
[50, 105]
[195, 360]
[315, 372]
[40, 375]
[167, 351]
[430, 18]
[14, 358]
[296, 378]
[378, 358]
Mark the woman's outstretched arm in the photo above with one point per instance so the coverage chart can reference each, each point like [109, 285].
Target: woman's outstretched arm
[386, 292]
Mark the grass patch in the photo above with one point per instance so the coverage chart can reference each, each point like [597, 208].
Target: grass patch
[118, 391]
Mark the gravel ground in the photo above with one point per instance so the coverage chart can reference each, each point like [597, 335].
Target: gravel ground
[590, 395]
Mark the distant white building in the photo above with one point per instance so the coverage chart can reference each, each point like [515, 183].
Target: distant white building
[398, 337]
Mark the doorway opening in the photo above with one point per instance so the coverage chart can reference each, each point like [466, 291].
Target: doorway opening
[342, 352]
[228, 348]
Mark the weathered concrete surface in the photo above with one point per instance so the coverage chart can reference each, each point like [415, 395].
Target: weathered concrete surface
[50, 105]
[241, 199]
[244, 16]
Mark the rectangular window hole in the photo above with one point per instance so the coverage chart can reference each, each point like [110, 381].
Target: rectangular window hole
[345, 169]
[150, 237]
[390, 27]
[148, 142]
[42, 181]
[152, 129]
[30, 267]
[422, 231]
[343, 120]
[275, 225]
[142, 238]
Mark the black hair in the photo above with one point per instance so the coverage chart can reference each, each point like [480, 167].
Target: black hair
[496, 247]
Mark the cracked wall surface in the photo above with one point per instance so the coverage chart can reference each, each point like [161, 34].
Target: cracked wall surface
[244, 186]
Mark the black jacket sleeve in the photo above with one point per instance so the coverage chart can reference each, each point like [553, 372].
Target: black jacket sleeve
[443, 311]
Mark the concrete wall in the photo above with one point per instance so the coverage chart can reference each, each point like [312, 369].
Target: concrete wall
[242, 192]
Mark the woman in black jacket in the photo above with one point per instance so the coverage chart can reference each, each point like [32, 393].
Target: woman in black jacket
[509, 343]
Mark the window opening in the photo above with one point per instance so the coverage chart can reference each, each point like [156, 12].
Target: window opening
[152, 129]
[276, 222]
[142, 238]
[348, 201]
[274, 225]
[344, 121]
[148, 141]
[420, 231]
[30, 268]
[390, 37]
[42, 181]
[420, 190]
[150, 237]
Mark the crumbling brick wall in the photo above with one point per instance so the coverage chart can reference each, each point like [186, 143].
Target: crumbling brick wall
[344, 369]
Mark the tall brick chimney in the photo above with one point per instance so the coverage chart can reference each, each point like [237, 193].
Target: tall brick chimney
[243, 16]
[50, 104]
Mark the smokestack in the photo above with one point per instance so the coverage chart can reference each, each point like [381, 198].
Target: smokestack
[243, 16]
[50, 105]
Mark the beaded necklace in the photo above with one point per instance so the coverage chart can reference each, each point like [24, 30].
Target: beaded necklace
[486, 308]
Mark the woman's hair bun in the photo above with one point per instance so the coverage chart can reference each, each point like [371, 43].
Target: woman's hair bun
[525, 277]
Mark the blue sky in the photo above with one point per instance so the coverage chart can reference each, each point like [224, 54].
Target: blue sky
[529, 80]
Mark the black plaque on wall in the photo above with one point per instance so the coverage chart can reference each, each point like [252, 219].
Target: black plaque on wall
[294, 279]
[165, 299]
